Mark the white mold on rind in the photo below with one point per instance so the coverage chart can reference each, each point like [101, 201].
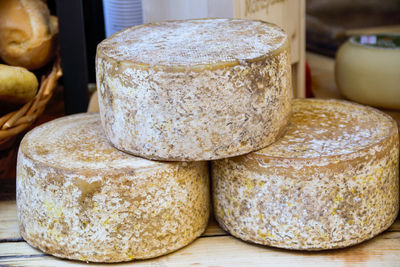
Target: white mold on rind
[80, 198]
[194, 90]
[331, 181]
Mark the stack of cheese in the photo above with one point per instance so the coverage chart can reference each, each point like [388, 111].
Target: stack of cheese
[189, 91]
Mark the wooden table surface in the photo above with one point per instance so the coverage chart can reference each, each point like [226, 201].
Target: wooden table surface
[215, 247]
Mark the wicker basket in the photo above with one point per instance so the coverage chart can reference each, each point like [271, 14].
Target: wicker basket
[18, 121]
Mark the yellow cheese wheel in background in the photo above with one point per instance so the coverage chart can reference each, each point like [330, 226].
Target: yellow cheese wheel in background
[80, 198]
[368, 70]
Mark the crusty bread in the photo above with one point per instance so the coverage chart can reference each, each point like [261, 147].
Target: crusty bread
[27, 33]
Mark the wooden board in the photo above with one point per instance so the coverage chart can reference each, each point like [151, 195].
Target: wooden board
[214, 248]
[8, 222]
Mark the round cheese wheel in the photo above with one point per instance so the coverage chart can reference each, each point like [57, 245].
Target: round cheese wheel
[194, 90]
[368, 70]
[80, 198]
[331, 181]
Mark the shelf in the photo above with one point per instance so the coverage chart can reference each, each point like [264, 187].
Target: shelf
[214, 248]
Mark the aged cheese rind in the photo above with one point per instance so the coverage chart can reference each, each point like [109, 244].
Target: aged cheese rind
[308, 192]
[80, 198]
[194, 90]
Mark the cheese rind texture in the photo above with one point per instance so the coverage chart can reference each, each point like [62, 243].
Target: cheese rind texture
[331, 181]
[80, 198]
[194, 90]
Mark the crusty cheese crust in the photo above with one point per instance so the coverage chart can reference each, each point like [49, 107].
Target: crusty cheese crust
[99, 204]
[299, 194]
[228, 98]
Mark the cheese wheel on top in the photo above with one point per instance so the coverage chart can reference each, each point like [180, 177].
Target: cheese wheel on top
[194, 90]
[331, 181]
[80, 198]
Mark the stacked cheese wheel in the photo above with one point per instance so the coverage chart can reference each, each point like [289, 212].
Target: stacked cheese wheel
[89, 187]
[194, 90]
[80, 198]
[331, 181]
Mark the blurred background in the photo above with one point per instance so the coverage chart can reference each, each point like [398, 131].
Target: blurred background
[316, 28]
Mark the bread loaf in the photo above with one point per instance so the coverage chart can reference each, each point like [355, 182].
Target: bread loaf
[194, 90]
[80, 198]
[27, 33]
[331, 181]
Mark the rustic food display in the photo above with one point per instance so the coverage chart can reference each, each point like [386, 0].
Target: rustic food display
[132, 182]
[194, 90]
[80, 198]
[331, 181]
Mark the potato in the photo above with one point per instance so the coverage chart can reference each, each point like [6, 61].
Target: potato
[17, 85]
